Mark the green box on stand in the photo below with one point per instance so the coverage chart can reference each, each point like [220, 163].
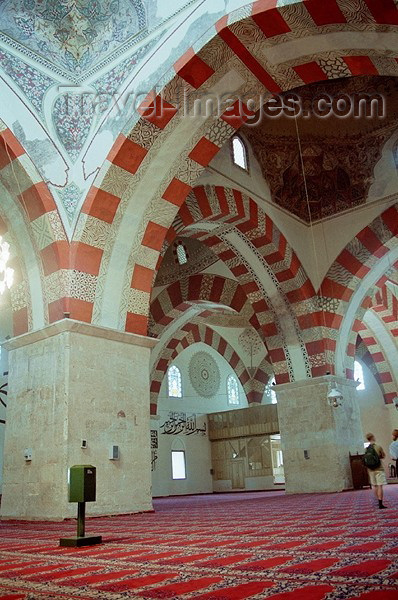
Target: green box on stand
[82, 489]
[82, 483]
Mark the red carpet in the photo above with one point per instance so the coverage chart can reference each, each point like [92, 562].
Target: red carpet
[221, 547]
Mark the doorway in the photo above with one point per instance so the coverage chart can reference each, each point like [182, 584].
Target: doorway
[277, 459]
[238, 476]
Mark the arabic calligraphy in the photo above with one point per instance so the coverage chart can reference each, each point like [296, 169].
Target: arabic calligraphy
[181, 423]
[154, 439]
[154, 457]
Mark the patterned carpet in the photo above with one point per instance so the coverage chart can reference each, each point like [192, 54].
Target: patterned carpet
[224, 547]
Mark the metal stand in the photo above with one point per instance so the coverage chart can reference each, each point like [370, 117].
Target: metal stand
[81, 539]
[81, 518]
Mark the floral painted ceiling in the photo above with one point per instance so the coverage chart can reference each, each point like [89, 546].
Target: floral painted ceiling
[68, 35]
[65, 63]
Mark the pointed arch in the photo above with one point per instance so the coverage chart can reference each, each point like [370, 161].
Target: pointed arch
[371, 353]
[192, 333]
[286, 287]
[152, 167]
[30, 217]
[385, 304]
[347, 290]
[199, 289]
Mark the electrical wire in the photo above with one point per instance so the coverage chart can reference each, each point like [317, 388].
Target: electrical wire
[311, 223]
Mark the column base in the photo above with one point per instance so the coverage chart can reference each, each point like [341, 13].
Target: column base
[77, 542]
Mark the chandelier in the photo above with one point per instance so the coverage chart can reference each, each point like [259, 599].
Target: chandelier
[6, 273]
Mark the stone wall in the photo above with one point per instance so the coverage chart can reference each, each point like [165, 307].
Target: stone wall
[317, 438]
[68, 383]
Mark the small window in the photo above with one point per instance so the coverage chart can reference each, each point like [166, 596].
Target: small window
[358, 375]
[239, 153]
[178, 464]
[181, 255]
[232, 390]
[174, 382]
[269, 392]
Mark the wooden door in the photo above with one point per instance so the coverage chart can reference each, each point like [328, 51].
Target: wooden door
[238, 478]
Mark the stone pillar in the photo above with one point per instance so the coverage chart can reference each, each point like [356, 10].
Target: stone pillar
[310, 427]
[71, 382]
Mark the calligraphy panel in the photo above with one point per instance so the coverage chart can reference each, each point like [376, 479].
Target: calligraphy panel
[180, 423]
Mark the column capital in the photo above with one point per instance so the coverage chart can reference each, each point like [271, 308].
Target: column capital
[72, 326]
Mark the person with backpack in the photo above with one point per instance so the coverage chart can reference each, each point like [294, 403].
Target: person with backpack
[372, 459]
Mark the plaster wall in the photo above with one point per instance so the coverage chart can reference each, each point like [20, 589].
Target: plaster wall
[80, 382]
[197, 445]
[191, 400]
[376, 416]
[5, 330]
[2, 434]
[197, 460]
[261, 483]
[251, 484]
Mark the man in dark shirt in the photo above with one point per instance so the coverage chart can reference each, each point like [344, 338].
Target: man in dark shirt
[377, 477]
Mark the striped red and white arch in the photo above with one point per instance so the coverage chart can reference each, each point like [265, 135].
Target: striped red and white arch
[191, 333]
[29, 217]
[152, 168]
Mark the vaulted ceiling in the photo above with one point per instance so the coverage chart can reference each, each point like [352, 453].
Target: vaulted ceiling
[71, 36]
[339, 154]
[65, 63]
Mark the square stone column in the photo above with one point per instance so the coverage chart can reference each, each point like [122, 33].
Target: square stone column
[317, 438]
[71, 382]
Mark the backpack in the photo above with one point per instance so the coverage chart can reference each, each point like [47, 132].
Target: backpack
[371, 458]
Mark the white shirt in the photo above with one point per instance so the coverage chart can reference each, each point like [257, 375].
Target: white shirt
[394, 450]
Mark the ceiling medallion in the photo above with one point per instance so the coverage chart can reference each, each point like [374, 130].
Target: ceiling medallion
[204, 374]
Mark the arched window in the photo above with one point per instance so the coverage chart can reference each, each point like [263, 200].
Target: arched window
[239, 153]
[269, 393]
[232, 390]
[181, 255]
[358, 375]
[174, 381]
